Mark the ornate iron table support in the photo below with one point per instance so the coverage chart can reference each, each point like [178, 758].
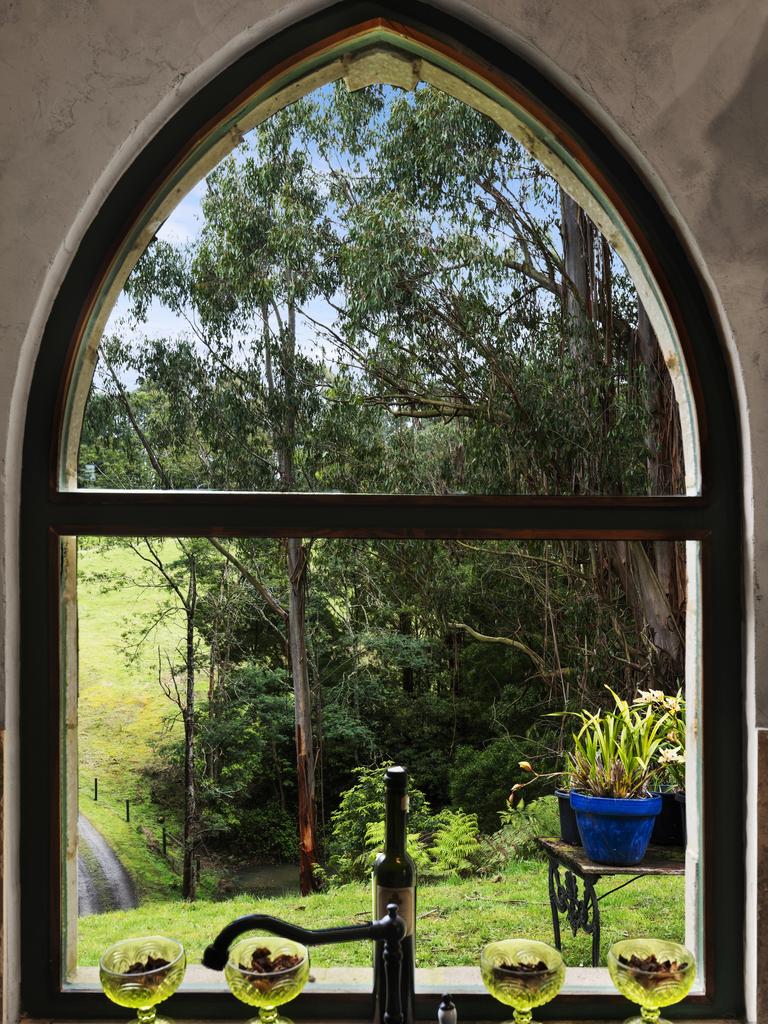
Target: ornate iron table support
[582, 910]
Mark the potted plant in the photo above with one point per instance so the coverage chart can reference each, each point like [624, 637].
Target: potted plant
[612, 764]
[669, 827]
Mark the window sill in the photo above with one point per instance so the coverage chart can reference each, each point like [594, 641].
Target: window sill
[326, 980]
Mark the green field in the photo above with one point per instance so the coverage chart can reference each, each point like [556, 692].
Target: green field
[454, 919]
[121, 709]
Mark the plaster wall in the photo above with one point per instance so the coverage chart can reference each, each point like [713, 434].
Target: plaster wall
[681, 84]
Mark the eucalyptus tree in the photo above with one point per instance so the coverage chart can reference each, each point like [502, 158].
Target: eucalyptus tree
[386, 295]
[242, 393]
[484, 304]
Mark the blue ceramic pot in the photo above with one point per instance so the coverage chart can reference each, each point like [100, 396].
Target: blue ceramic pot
[615, 831]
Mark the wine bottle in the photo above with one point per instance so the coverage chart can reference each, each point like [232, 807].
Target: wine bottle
[394, 881]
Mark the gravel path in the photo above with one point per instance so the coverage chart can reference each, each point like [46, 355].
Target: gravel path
[103, 884]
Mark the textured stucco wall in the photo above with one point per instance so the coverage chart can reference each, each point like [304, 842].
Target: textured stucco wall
[682, 84]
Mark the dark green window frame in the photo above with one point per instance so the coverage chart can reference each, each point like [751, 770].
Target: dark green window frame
[713, 518]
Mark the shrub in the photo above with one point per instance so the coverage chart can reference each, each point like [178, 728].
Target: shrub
[269, 832]
[374, 842]
[363, 805]
[516, 839]
[481, 779]
[455, 846]
[615, 753]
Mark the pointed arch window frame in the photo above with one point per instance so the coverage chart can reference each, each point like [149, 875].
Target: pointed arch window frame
[53, 509]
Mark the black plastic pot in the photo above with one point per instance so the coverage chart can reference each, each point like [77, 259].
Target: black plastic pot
[668, 828]
[680, 798]
[569, 830]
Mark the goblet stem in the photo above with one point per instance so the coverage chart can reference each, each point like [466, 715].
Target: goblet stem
[650, 1014]
[268, 1015]
[522, 1016]
[146, 1014]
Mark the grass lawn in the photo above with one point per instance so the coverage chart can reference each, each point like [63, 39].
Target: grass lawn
[454, 919]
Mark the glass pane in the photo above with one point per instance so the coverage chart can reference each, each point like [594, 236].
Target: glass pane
[455, 658]
[380, 291]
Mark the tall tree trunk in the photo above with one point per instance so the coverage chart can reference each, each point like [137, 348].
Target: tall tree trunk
[652, 606]
[578, 238]
[405, 628]
[189, 878]
[652, 575]
[305, 757]
[296, 562]
[665, 476]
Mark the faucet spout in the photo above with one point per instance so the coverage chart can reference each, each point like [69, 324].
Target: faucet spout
[389, 930]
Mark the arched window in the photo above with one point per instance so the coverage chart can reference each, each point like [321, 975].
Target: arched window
[363, 44]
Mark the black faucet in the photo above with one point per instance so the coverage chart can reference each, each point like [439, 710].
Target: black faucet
[389, 930]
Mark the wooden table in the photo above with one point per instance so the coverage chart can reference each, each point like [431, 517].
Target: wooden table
[583, 909]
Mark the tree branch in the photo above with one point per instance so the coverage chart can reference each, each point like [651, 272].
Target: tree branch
[508, 641]
[250, 577]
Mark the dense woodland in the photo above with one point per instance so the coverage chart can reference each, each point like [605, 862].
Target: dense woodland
[386, 294]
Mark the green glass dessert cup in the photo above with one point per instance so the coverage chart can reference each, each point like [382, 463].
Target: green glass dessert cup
[652, 973]
[522, 973]
[266, 989]
[140, 973]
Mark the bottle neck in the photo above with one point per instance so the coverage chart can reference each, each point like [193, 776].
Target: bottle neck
[397, 802]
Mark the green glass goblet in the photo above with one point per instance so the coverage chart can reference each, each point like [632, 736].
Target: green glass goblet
[522, 973]
[266, 989]
[140, 973]
[653, 973]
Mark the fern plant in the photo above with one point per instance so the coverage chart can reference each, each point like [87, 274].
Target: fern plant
[374, 844]
[455, 846]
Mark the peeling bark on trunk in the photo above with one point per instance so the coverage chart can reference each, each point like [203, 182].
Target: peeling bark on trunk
[651, 607]
[578, 236]
[296, 564]
[305, 758]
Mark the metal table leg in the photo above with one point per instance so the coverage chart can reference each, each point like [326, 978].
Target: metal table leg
[554, 879]
[582, 909]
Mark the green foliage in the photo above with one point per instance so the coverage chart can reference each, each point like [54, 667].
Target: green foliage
[374, 843]
[417, 240]
[267, 833]
[450, 848]
[375, 303]
[482, 779]
[244, 754]
[516, 838]
[320, 877]
[671, 709]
